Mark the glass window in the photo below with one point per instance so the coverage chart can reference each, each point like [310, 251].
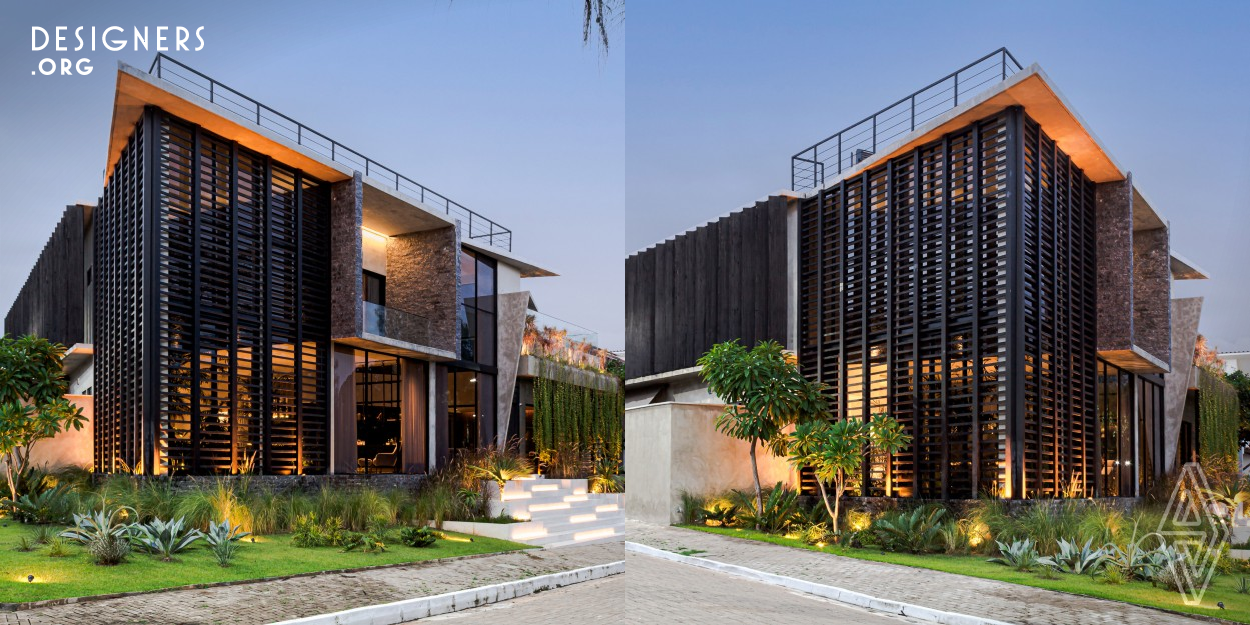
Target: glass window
[462, 416]
[485, 284]
[468, 277]
[484, 346]
[477, 318]
[468, 334]
[373, 288]
[378, 413]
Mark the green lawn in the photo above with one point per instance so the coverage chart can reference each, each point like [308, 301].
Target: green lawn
[1223, 587]
[270, 556]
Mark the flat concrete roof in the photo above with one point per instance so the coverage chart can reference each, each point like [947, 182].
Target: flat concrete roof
[527, 269]
[1184, 269]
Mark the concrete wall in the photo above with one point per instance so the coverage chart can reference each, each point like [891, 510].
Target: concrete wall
[672, 448]
[509, 334]
[346, 257]
[1185, 316]
[373, 252]
[74, 447]
[422, 271]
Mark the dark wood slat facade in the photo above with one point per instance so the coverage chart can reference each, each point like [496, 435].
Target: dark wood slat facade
[723, 280]
[953, 287]
[212, 314]
[52, 301]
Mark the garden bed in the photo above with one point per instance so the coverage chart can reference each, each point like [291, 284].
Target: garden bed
[269, 557]
[1223, 588]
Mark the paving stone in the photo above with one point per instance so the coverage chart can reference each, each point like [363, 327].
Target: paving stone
[992, 599]
[267, 602]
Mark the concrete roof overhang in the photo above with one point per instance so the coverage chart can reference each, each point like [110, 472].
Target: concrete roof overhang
[386, 210]
[527, 269]
[79, 355]
[1185, 269]
[1033, 90]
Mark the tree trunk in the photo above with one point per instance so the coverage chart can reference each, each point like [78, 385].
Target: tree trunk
[825, 498]
[759, 499]
[839, 487]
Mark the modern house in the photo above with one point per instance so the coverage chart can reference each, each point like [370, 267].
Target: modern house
[971, 260]
[251, 295]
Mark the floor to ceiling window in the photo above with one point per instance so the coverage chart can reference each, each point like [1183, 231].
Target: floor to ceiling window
[378, 414]
[471, 382]
[1115, 417]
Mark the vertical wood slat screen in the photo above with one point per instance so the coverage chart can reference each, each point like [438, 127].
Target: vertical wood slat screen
[241, 311]
[118, 314]
[903, 307]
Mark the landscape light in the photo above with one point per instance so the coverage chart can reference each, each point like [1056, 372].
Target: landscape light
[30, 579]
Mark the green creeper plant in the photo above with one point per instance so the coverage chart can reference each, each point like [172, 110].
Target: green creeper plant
[32, 401]
[835, 451]
[764, 393]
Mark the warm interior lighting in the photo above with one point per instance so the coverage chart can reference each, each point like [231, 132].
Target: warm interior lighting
[374, 234]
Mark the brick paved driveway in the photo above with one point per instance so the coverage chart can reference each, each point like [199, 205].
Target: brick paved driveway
[267, 602]
[656, 592]
[934, 589]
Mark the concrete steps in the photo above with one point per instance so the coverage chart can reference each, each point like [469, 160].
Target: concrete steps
[560, 513]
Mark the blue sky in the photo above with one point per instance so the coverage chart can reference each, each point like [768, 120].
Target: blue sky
[719, 96]
[495, 104]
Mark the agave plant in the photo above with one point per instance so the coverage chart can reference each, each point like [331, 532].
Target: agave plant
[1020, 555]
[165, 538]
[101, 524]
[1135, 560]
[917, 531]
[1078, 560]
[501, 466]
[224, 532]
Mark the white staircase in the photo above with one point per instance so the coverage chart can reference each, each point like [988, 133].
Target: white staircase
[559, 513]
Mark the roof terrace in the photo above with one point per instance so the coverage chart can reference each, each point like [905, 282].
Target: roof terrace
[477, 227]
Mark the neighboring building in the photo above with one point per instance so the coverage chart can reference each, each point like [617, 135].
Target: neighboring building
[987, 274]
[252, 295]
[1236, 361]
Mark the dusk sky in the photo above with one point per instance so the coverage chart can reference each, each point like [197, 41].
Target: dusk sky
[495, 104]
[717, 100]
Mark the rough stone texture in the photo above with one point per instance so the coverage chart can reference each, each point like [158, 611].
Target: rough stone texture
[1185, 316]
[269, 602]
[1152, 293]
[346, 215]
[1115, 264]
[670, 448]
[509, 334]
[422, 271]
[286, 483]
[984, 598]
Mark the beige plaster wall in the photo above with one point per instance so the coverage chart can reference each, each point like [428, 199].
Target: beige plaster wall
[672, 448]
[74, 447]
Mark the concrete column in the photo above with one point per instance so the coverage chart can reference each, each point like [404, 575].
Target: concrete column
[1114, 216]
[1185, 316]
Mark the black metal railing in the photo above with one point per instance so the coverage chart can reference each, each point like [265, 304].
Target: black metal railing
[859, 140]
[204, 86]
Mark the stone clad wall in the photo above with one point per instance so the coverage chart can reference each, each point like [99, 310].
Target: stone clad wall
[1115, 263]
[422, 272]
[346, 215]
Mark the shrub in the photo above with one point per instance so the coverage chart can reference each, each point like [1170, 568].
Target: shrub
[437, 502]
[165, 538]
[417, 536]
[718, 514]
[204, 506]
[1113, 575]
[1175, 573]
[1046, 524]
[817, 534]
[691, 505]
[224, 532]
[918, 531]
[58, 547]
[100, 525]
[107, 550]
[1020, 555]
[309, 532]
[25, 544]
[224, 552]
[44, 534]
[779, 512]
[1078, 560]
[50, 505]
[1101, 524]
[500, 465]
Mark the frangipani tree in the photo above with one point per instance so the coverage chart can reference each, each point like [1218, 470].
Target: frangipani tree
[764, 393]
[32, 401]
[835, 451]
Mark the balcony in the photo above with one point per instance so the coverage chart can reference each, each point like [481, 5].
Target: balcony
[396, 332]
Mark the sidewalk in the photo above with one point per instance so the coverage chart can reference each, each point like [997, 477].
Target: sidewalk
[1002, 601]
[268, 602]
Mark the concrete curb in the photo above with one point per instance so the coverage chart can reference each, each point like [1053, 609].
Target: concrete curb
[424, 607]
[820, 590]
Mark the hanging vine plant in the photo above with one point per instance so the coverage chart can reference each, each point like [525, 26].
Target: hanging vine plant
[574, 424]
[1218, 416]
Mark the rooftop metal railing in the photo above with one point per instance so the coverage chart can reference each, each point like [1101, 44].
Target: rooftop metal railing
[844, 149]
[233, 100]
